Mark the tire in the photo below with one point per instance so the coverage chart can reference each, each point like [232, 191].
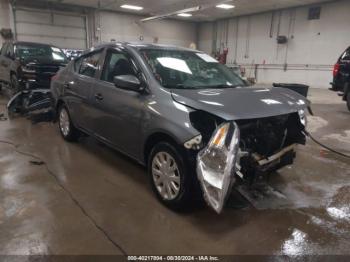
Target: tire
[177, 192]
[66, 127]
[348, 100]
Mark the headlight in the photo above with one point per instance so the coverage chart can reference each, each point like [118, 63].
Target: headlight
[302, 117]
[216, 165]
[28, 70]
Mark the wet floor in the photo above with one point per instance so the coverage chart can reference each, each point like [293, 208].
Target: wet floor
[88, 199]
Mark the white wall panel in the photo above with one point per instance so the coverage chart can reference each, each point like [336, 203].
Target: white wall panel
[123, 27]
[4, 16]
[65, 31]
[311, 53]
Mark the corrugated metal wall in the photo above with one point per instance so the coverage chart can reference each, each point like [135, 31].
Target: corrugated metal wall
[64, 30]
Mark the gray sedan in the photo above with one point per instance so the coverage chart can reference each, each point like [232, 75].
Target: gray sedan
[189, 119]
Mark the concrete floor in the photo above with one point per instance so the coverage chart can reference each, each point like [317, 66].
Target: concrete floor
[92, 200]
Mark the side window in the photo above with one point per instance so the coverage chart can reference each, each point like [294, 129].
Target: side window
[89, 64]
[117, 64]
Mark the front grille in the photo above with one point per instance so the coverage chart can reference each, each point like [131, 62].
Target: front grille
[264, 136]
[46, 69]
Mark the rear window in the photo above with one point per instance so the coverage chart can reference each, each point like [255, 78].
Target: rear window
[25, 51]
[346, 55]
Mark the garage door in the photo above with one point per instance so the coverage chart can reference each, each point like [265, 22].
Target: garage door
[62, 30]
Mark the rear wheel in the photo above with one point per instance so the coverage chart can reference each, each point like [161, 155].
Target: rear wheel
[67, 129]
[170, 177]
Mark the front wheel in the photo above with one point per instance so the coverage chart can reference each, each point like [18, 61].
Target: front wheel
[15, 88]
[67, 129]
[170, 177]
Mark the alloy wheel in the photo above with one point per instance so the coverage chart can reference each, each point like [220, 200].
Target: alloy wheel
[64, 122]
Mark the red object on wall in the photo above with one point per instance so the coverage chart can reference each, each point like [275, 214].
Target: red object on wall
[223, 56]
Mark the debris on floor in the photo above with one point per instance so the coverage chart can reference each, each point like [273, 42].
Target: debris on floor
[30, 100]
[3, 117]
[37, 163]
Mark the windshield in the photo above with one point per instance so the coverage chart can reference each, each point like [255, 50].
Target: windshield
[189, 70]
[40, 51]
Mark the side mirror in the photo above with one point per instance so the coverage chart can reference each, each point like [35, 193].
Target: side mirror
[128, 82]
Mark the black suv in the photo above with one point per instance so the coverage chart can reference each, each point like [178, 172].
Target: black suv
[25, 65]
[341, 76]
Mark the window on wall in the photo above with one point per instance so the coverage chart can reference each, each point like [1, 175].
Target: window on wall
[314, 13]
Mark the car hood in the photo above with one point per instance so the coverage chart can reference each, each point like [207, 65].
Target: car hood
[39, 61]
[242, 103]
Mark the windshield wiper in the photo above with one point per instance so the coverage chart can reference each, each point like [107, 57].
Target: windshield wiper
[226, 86]
[178, 86]
[222, 86]
[181, 86]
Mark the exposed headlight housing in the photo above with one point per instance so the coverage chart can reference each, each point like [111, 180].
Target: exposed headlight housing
[216, 165]
[302, 117]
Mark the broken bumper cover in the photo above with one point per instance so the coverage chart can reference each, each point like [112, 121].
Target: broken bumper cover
[219, 162]
[30, 100]
[216, 165]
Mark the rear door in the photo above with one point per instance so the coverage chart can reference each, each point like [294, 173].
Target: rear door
[79, 87]
[344, 70]
[117, 112]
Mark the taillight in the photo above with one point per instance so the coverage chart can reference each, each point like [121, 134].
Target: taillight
[55, 77]
[336, 69]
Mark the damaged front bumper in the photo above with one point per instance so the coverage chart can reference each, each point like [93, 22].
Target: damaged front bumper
[220, 161]
[30, 100]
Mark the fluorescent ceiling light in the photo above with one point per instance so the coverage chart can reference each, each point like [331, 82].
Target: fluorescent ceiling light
[132, 7]
[185, 14]
[225, 6]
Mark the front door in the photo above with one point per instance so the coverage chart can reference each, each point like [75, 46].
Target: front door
[117, 112]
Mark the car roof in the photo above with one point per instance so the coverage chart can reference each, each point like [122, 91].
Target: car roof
[139, 46]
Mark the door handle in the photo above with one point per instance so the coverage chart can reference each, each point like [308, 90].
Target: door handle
[98, 97]
[66, 85]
